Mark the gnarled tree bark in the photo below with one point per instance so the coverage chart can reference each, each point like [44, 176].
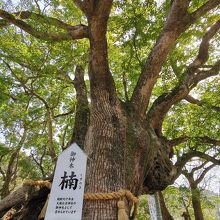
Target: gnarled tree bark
[124, 144]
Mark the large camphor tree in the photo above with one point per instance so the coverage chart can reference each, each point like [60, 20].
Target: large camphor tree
[156, 57]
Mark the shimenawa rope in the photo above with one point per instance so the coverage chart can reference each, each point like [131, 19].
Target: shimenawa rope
[119, 195]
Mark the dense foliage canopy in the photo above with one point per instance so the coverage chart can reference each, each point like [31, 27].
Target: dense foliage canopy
[160, 64]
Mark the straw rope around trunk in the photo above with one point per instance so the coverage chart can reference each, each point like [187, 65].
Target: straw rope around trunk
[119, 195]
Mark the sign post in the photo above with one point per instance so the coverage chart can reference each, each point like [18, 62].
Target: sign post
[66, 197]
[154, 207]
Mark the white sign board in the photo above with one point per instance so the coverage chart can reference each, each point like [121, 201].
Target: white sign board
[66, 197]
[154, 207]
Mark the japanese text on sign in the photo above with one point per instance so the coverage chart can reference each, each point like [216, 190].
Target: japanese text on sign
[67, 190]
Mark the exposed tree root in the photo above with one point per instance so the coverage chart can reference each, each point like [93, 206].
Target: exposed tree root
[26, 202]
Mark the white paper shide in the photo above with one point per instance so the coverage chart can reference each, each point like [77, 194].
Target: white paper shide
[66, 197]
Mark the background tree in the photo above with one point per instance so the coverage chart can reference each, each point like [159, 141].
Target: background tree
[138, 84]
[178, 200]
[164, 210]
[195, 191]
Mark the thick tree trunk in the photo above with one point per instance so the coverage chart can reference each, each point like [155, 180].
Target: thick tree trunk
[125, 147]
[123, 154]
[124, 151]
[105, 171]
[105, 139]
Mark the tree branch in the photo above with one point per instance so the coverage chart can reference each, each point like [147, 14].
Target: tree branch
[82, 108]
[48, 108]
[104, 7]
[11, 163]
[3, 173]
[125, 86]
[39, 164]
[203, 54]
[205, 171]
[72, 32]
[208, 140]
[190, 175]
[3, 23]
[101, 80]
[194, 169]
[81, 5]
[209, 5]
[201, 75]
[177, 141]
[52, 151]
[41, 19]
[94, 7]
[201, 140]
[27, 89]
[192, 100]
[191, 78]
[63, 145]
[181, 161]
[64, 114]
[177, 22]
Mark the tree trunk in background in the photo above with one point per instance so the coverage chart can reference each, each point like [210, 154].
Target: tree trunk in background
[11, 169]
[5, 190]
[51, 149]
[195, 194]
[186, 216]
[196, 202]
[165, 212]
